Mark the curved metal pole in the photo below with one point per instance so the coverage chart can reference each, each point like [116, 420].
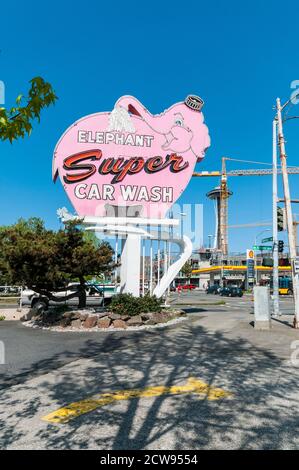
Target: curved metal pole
[185, 245]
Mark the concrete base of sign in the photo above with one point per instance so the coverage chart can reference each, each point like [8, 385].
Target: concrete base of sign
[262, 313]
[262, 325]
[130, 265]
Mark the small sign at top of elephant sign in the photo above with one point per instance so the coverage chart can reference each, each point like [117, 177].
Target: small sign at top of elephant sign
[129, 158]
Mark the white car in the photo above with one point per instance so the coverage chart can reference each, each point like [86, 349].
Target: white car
[94, 297]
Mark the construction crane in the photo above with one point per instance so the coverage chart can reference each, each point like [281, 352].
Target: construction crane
[223, 193]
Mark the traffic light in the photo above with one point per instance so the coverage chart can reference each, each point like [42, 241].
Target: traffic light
[280, 246]
[280, 219]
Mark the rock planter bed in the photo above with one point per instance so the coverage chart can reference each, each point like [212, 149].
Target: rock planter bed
[93, 319]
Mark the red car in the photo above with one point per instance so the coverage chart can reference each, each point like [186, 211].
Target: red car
[186, 287]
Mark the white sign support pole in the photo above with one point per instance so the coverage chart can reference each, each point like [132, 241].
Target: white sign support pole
[151, 267]
[116, 257]
[158, 261]
[143, 267]
[130, 265]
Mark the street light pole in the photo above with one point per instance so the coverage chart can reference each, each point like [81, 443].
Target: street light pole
[274, 221]
[288, 208]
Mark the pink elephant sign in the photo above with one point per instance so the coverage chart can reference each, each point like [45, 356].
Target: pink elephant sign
[130, 159]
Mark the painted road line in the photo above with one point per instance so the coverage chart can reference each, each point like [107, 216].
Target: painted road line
[73, 410]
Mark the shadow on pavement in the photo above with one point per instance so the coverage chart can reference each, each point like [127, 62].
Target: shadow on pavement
[257, 416]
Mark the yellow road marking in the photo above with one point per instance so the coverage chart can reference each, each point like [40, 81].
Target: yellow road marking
[73, 410]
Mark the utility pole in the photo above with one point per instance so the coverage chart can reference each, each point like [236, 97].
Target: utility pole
[275, 229]
[289, 216]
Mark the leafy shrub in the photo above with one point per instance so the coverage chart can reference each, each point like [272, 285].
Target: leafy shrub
[126, 304]
[2, 317]
[150, 304]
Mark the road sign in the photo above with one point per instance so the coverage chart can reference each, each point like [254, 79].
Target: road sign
[269, 239]
[249, 254]
[250, 269]
[262, 248]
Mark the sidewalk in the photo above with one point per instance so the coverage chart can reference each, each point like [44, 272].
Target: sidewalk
[240, 325]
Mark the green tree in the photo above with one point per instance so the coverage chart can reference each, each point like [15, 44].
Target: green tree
[46, 261]
[17, 121]
[187, 270]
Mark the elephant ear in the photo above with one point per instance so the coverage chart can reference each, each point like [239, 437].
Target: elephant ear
[200, 143]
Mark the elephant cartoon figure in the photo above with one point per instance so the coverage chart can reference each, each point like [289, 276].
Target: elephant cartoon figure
[131, 158]
[181, 124]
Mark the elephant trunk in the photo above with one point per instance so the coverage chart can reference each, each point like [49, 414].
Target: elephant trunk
[132, 105]
[199, 145]
[159, 124]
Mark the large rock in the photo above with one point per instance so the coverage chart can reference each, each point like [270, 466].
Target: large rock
[83, 316]
[90, 322]
[104, 322]
[64, 322]
[114, 316]
[161, 317]
[76, 315]
[102, 314]
[174, 313]
[151, 322]
[76, 323]
[135, 321]
[120, 324]
[67, 315]
[146, 316]
[125, 317]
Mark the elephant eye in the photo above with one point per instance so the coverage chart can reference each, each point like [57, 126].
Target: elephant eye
[179, 122]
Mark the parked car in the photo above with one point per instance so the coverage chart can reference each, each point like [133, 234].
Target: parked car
[214, 289]
[94, 296]
[225, 291]
[236, 292]
[186, 287]
[231, 292]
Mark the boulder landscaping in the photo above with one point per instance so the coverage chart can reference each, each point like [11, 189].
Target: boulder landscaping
[91, 319]
[124, 312]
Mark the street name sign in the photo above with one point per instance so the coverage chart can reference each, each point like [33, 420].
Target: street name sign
[269, 239]
[262, 248]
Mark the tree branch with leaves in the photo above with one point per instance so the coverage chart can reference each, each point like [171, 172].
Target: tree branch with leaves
[17, 121]
[187, 270]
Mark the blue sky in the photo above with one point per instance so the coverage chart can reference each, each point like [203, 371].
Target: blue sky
[239, 56]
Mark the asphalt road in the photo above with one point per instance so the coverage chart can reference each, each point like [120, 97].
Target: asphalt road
[216, 344]
[32, 352]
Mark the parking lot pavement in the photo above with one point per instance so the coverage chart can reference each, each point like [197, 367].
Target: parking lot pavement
[218, 348]
[32, 352]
